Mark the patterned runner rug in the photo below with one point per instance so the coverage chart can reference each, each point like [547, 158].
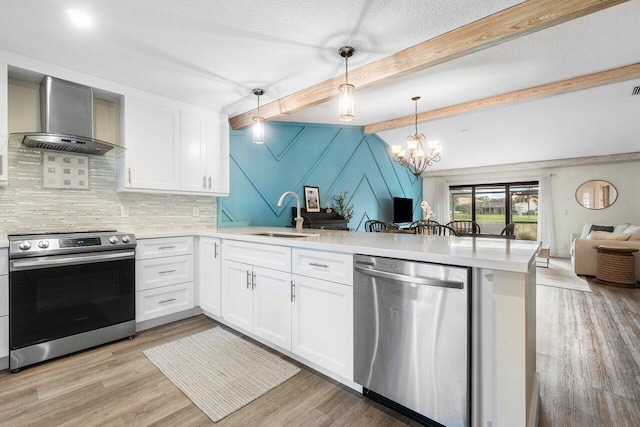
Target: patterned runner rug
[219, 371]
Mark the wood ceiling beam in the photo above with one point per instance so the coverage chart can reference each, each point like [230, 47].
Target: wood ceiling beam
[601, 78]
[517, 21]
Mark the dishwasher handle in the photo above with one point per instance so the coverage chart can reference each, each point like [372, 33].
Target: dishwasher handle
[417, 280]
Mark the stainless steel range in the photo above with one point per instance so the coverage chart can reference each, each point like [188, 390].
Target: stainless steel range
[69, 292]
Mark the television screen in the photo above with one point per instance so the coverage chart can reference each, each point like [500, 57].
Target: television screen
[402, 210]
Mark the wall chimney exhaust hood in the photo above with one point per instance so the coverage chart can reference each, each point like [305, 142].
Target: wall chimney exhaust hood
[66, 111]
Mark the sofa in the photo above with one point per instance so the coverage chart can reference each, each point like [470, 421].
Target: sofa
[583, 254]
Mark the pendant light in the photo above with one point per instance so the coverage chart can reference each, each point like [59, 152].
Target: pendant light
[258, 121]
[347, 91]
[416, 158]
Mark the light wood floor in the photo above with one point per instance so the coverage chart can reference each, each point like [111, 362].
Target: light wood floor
[588, 360]
[588, 356]
[117, 385]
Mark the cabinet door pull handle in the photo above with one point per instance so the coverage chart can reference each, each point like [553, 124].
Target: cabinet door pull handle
[166, 247]
[253, 280]
[204, 182]
[248, 279]
[166, 301]
[209, 183]
[129, 175]
[315, 264]
[166, 271]
[293, 291]
[215, 251]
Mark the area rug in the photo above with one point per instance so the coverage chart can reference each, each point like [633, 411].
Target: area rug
[219, 371]
[560, 275]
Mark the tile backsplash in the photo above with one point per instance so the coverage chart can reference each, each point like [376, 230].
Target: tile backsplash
[26, 207]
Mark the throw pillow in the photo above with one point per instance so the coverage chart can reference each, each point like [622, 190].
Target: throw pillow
[608, 228]
[634, 230]
[605, 235]
[586, 229]
[620, 228]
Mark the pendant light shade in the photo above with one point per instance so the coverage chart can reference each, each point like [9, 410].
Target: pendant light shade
[346, 91]
[258, 121]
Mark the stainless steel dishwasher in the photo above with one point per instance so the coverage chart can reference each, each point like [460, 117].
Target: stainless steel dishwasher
[411, 337]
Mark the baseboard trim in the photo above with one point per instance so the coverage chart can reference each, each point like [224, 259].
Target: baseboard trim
[170, 318]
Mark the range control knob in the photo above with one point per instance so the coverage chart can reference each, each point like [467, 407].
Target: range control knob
[113, 240]
[43, 244]
[25, 245]
[126, 239]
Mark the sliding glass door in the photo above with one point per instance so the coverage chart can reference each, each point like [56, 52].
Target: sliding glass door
[494, 206]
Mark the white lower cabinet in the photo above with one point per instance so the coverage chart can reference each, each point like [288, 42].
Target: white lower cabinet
[162, 301]
[258, 300]
[322, 324]
[164, 277]
[209, 265]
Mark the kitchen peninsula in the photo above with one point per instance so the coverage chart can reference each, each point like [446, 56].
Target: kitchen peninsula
[504, 383]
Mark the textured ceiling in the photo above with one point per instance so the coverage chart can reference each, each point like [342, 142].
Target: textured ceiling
[212, 53]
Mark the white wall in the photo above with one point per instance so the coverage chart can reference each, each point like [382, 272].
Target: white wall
[569, 216]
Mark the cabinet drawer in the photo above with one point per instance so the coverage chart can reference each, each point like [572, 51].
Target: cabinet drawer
[4, 261]
[323, 265]
[268, 256]
[4, 295]
[158, 302]
[166, 246]
[156, 272]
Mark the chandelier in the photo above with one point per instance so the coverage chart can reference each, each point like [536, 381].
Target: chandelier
[416, 158]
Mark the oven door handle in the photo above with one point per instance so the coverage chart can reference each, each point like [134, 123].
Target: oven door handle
[58, 261]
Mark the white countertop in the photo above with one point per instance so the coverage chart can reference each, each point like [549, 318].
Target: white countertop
[491, 253]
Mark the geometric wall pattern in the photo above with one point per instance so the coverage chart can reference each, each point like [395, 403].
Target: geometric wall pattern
[332, 158]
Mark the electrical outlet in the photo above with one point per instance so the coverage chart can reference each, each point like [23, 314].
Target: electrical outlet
[196, 211]
[124, 211]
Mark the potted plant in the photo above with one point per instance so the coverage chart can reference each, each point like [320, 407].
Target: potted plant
[342, 206]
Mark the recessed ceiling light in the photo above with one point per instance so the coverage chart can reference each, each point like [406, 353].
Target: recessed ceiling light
[80, 18]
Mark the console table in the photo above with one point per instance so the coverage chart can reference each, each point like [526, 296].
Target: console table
[323, 220]
[616, 265]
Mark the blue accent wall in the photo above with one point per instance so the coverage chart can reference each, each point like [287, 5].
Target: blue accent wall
[332, 158]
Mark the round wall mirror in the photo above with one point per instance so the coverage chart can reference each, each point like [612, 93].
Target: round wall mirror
[596, 194]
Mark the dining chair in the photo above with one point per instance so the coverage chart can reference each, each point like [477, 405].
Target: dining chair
[435, 229]
[374, 225]
[465, 227]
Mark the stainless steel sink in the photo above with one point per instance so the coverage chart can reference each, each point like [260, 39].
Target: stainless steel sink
[283, 235]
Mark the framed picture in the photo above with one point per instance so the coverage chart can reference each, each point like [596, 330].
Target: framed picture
[312, 199]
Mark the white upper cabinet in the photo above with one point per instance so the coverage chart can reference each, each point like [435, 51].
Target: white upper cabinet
[4, 121]
[193, 144]
[218, 155]
[173, 150]
[152, 142]
[205, 153]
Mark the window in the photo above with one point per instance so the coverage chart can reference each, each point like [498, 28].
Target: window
[493, 206]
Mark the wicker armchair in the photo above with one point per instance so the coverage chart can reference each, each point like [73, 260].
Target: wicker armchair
[374, 225]
[464, 227]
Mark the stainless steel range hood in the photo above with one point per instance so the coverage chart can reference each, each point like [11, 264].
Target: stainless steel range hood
[66, 111]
